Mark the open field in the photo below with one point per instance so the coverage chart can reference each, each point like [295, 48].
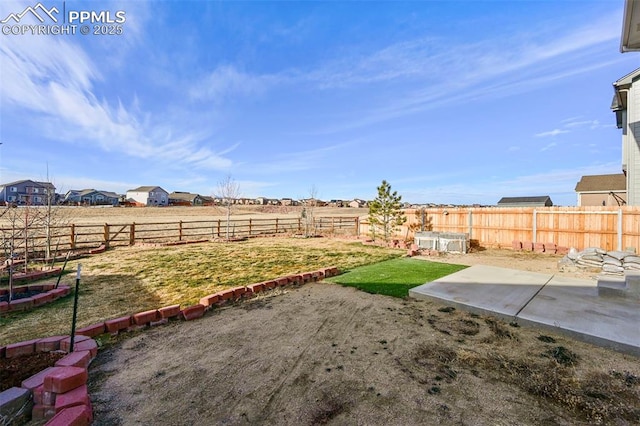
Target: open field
[126, 215]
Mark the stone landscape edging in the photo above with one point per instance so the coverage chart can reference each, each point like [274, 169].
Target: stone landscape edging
[60, 393]
[48, 293]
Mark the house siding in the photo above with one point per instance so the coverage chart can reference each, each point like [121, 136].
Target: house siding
[26, 192]
[597, 198]
[156, 197]
[631, 139]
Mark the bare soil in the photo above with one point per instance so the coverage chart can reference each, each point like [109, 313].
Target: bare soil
[14, 370]
[326, 354]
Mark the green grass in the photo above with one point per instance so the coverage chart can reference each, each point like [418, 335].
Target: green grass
[395, 277]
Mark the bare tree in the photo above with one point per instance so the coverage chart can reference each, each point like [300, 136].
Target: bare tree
[228, 192]
[308, 211]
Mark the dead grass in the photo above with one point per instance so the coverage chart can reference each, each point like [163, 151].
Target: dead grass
[540, 367]
[127, 280]
[122, 215]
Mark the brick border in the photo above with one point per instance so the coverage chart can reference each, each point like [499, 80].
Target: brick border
[48, 293]
[59, 394]
[55, 392]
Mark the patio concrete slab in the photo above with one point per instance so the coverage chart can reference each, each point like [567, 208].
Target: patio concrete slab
[564, 305]
[487, 289]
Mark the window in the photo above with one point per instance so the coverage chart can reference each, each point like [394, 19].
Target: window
[13, 189]
[36, 199]
[11, 198]
[151, 194]
[35, 190]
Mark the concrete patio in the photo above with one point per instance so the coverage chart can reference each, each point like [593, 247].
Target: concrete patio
[565, 305]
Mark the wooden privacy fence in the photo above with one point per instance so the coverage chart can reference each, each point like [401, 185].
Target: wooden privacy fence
[610, 228]
[75, 236]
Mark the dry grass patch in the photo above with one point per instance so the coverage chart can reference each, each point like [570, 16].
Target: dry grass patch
[544, 367]
[127, 280]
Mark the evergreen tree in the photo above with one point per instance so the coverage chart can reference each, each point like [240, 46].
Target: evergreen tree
[385, 212]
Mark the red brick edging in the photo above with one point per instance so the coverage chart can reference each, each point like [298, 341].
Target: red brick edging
[60, 394]
[48, 293]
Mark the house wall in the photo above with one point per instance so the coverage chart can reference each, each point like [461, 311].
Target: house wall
[597, 198]
[160, 197]
[26, 193]
[632, 138]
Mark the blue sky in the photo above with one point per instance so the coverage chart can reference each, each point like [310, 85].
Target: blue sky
[450, 101]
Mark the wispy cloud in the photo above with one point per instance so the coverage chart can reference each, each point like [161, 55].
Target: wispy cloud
[227, 80]
[572, 124]
[297, 161]
[557, 182]
[55, 79]
[551, 133]
[451, 74]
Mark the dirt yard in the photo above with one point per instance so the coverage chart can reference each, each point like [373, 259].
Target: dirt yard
[326, 354]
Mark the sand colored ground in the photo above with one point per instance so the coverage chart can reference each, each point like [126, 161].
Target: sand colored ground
[326, 354]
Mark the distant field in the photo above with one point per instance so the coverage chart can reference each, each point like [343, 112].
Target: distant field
[125, 215]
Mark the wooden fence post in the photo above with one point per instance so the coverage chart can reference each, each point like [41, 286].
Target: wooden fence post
[276, 225]
[299, 225]
[249, 226]
[218, 228]
[72, 239]
[357, 220]
[180, 231]
[106, 235]
[619, 229]
[132, 234]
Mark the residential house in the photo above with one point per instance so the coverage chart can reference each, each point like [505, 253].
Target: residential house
[537, 201]
[288, 202]
[149, 196]
[313, 202]
[178, 198]
[91, 197]
[630, 41]
[602, 190]
[264, 201]
[27, 192]
[207, 200]
[357, 203]
[626, 106]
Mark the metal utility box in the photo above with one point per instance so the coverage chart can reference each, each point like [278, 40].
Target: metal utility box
[451, 242]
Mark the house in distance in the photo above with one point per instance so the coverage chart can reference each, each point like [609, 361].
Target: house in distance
[602, 190]
[537, 201]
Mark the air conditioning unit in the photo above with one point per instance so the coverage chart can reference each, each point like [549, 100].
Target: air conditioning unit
[451, 242]
[426, 240]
